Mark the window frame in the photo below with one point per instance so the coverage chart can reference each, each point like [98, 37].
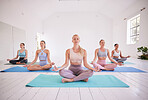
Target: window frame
[130, 29]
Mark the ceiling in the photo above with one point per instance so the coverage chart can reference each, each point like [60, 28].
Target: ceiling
[44, 8]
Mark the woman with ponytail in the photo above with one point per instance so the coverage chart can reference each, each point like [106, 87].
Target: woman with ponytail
[44, 57]
[22, 54]
[75, 55]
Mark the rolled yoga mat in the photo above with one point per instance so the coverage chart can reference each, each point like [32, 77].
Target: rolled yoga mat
[94, 81]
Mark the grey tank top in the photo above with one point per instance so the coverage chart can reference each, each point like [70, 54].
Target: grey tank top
[102, 54]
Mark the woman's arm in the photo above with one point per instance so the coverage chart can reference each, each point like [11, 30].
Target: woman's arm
[35, 59]
[123, 56]
[66, 61]
[96, 51]
[86, 64]
[112, 54]
[108, 54]
[15, 57]
[26, 54]
[48, 56]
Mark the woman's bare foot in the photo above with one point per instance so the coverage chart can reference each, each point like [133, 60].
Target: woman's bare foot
[66, 80]
[85, 80]
[109, 69]
[17, 62]
[46, 67]
[25, 66]
[20, 63]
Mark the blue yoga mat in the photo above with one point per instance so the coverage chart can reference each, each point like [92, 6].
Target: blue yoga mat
[117, 69]
[126, 62]
[23, 69]
[94, 81]
[22, 64]
[123, 69]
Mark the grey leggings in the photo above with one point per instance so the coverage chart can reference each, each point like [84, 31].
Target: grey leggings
[76, 73]
[120, 60]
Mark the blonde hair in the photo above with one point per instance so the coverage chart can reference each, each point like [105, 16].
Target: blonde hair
[81, 50]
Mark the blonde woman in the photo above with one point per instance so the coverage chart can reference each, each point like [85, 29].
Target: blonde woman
[75, 55]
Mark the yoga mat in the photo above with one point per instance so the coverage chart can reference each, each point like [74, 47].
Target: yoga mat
[126, 62]
[24, 69]
[123, 69]
[36, 63]
[94, 81]
[117, 69]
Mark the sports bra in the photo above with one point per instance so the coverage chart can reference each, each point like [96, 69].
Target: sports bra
[102, 54]
[23, 54]
[116, 54]
[42, 55]
[75, 57]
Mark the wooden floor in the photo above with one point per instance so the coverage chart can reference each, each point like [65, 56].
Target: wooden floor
[12, 86]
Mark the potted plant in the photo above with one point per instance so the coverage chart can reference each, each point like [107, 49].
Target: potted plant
[144, 51]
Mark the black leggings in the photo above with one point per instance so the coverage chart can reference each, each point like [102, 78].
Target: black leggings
[21, 60]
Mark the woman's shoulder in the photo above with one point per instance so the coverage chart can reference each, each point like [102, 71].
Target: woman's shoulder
[38, 51]
[107, 49]
[97, 49]
[68, 50]
[46, 50]
[113, 50]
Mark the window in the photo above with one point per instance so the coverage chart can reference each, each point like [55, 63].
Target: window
[133, 28]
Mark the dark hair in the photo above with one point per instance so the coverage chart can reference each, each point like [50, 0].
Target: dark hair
[23, 44]
[101, 40]
[115, 44]
[44, 43]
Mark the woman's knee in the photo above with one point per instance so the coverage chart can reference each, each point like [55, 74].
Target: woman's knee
[90, 72]
[114, 65]
[124, 59]
[12, 62]
[61, 72]
[23, 61]
[26, 61]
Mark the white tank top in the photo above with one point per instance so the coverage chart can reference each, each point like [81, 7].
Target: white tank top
[116, 54]
[75, 57]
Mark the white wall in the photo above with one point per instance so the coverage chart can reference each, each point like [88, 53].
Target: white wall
[10, 37]
[120, 28]
[6, 41]
[13, 13]
[91, 27]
